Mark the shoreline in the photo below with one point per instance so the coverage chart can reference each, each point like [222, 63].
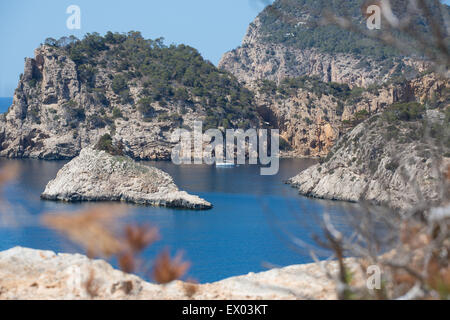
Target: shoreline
[281, 156]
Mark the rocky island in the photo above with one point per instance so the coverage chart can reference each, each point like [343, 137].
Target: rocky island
[136, 90]
[96, 175]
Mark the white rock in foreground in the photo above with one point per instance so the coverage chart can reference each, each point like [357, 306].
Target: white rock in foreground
[98, 176]
[44, 275]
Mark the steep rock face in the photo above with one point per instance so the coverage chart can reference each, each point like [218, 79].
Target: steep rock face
[28, 274]
[288, 40]
[28, 128]
[98, 176]
[308, 123]
[258, 59]
[383, 162]
[312, 115]
[53, 116]
[138, 91]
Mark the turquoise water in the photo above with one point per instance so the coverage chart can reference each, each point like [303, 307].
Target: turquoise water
[4, 104]
[244, 232]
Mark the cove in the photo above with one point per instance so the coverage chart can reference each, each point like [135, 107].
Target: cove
[244, 232]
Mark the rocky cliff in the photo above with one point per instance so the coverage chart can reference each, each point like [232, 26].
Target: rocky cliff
[312, 115]
[256, 60]
[138, 91]
[98, 176]
[397, 158]
[315, 81]
[289, 39]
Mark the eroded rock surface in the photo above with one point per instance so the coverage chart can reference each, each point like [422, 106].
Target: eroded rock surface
[62, 105]
[98, 176]
[259, 59]
[395, 164]
[36, 274]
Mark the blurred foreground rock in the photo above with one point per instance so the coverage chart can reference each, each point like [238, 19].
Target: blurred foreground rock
[36, 274]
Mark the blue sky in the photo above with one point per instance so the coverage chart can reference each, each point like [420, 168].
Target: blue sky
[211, 26]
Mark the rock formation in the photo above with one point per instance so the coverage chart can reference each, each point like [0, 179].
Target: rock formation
[288, 41]
[98, 176]
[259, 58]
[28, 274]
[389, 162]
[138, 91]
[312, 115]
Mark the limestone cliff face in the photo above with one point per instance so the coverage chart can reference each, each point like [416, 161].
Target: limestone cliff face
[53, 116]
[308, 123]
[311, 121]
[384, 162]
[28, 128]
[258, 59]
[60, 106]
[98, 176]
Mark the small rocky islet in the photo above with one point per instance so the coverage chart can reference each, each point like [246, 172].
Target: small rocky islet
[96, 175]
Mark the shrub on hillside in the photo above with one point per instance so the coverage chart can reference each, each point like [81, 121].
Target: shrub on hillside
[105, 143]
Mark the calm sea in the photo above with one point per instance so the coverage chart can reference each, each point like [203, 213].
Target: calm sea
[4, 104]
[247, 230]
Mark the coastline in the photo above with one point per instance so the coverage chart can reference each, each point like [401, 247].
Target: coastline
[283, 155]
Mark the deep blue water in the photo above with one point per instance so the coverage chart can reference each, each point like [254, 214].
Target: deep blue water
[5, 103]
[244, 232]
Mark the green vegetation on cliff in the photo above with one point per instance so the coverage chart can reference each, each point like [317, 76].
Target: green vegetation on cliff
[298, 23]
[290, 86]
[175, 74]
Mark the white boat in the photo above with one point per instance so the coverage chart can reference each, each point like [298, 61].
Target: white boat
[226, 164]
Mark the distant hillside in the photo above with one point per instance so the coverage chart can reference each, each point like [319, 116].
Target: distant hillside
[297, 23]
[134, 90]
[315, 82]
[289, 39]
